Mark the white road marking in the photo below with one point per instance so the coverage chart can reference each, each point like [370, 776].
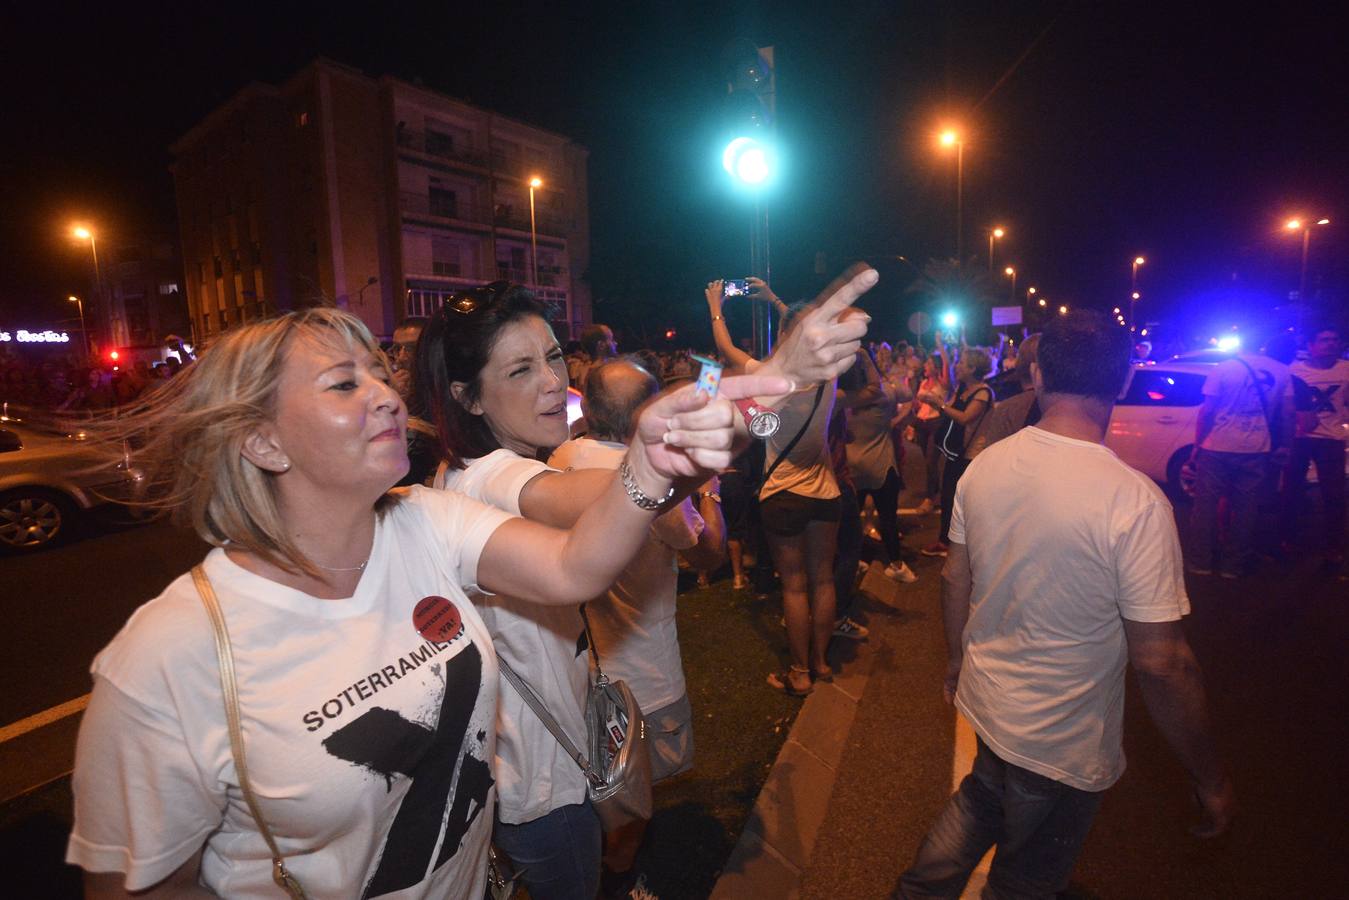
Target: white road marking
[962, 761]
[44, 718]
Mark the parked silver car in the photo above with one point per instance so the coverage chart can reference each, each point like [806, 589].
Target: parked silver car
[46, 484]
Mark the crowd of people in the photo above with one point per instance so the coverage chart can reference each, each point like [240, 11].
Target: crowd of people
[371, 624]
[64, 384]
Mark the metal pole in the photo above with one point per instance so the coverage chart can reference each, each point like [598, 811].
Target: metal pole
[960, 198]
[84, 331]
[98, 282]
[1133, 295]
[990, 255]
[533, 242]
[1302, 279]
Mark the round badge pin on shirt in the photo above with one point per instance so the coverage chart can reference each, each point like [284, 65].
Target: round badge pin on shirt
[437, 619]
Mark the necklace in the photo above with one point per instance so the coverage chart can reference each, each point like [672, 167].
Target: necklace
[360, 568]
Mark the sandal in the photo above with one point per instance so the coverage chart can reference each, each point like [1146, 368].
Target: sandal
[825, 675]
[782, 681]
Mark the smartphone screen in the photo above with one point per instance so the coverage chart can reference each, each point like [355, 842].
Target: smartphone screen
[735, 287]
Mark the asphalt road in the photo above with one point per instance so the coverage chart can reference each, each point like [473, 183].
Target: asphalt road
[63, 605]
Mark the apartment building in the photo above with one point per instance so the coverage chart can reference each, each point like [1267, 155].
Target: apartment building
[376, 195]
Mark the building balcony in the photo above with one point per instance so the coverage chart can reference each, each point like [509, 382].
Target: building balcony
[457, 210]
[440, 146]
[442, 208]
[517, 218]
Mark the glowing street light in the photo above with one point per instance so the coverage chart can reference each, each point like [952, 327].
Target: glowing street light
[746, 160]
[534, 183]
[995, 234]
[1063, 310]
[951, 138]
[1298, 225]
[1011, 273]
[1043, 302]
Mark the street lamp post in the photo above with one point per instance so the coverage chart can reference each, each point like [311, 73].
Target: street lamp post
[993, 235]
[951, 138]
[534, 183]
[84, 234]
[84, 332]
[1011, 273]
[1298, 225]
[1133, 290]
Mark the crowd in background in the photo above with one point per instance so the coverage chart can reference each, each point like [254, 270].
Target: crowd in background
[65, 385]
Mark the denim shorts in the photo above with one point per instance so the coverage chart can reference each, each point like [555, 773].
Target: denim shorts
[785, 514]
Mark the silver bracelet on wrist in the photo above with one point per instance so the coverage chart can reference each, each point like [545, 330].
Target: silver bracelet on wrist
[636, 495]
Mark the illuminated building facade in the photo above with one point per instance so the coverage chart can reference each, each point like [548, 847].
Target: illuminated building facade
[377, 195]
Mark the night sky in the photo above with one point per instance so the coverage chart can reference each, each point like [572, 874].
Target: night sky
[1092, 134]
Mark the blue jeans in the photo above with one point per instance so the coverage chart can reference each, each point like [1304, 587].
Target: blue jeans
[1238, 477]
[1037, 823]
[558, 855]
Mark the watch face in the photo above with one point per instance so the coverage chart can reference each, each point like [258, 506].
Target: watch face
[765, 424]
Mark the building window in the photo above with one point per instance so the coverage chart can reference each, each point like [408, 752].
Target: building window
[444, 203]
[438, 144]
[445, 257]
[168, 288]
[257, 253]
[219, 268]
[301, 120]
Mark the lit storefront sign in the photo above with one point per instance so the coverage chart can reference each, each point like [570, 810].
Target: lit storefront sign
[24, 336]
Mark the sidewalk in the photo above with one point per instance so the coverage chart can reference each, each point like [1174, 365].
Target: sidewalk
[830, 799]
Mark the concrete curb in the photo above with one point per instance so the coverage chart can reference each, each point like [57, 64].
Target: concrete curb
[779, 837]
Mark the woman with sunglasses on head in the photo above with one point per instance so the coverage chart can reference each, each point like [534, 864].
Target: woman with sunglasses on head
[366, 681]
[493, 377]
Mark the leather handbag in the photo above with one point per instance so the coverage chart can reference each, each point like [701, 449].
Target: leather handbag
[616, 760]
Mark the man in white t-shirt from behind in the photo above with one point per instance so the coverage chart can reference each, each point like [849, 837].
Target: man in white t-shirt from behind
[633, 623]
[1064, 564]
[1245, 423]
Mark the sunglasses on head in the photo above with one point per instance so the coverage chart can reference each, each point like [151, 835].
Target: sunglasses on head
[473, 300]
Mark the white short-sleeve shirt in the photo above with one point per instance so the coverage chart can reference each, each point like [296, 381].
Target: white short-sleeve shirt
[634, 621]
[369, 745]
[1065, 543]
[546, 647]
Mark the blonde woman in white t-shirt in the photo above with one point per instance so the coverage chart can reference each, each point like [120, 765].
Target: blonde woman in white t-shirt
[366, 679]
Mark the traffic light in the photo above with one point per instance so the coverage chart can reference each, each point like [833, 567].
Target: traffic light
[749, 113]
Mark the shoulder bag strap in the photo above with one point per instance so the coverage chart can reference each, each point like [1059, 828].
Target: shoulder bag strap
[533, 702]
[229, 688]
[819, 395]
[1264, 404]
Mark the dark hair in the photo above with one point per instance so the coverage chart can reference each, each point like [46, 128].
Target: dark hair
[610, 410]
[592, 336]
[1085, 354]
[412, 322]
[454, 347]
[1026, 356]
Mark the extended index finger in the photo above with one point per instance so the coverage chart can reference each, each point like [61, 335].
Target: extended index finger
[844, 290]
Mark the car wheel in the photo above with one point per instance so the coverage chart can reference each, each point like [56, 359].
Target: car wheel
[1175, 476]
[33, 519]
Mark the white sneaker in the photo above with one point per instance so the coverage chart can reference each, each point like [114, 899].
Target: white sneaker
[901, 572]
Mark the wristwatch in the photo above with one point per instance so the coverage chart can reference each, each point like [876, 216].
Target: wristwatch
[761, 421]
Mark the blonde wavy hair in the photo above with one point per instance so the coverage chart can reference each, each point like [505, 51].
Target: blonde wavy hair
[186, 438]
